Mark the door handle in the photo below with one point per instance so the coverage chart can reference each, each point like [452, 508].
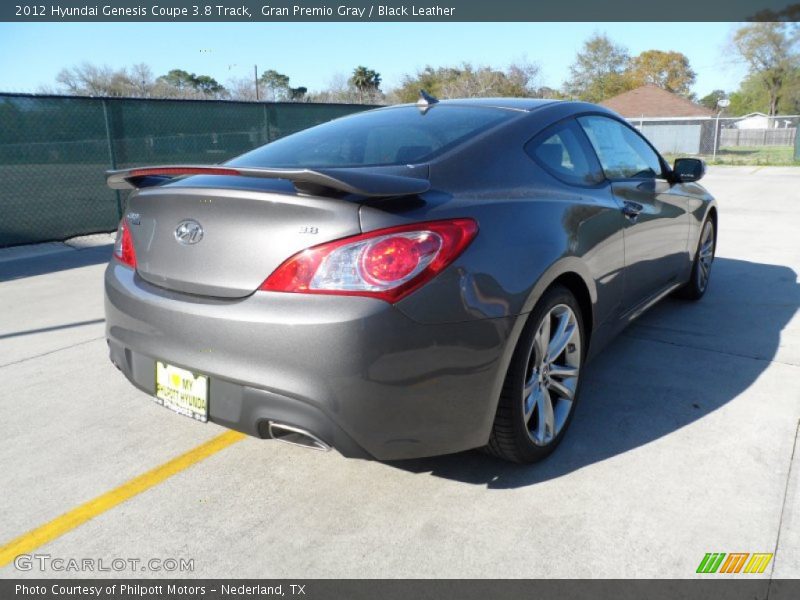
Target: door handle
[631, 209]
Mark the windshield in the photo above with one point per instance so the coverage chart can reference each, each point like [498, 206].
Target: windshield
[395, 136]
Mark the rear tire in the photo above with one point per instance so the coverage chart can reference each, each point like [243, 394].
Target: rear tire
[697, 285]
[543, 381]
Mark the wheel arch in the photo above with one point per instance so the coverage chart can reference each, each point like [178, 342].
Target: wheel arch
[574, 275]
[713, 215]
[578, 287]
[570, 274]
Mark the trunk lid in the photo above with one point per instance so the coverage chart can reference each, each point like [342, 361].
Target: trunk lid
[245, 234]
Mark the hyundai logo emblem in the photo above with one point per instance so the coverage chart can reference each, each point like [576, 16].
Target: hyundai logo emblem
[189, 232]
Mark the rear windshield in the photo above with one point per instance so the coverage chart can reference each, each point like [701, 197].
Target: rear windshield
[394, 136]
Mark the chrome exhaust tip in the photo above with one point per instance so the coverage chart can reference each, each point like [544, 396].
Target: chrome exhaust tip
[296, 436]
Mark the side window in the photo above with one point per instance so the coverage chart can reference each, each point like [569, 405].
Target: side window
[622, 152]
[563, 152]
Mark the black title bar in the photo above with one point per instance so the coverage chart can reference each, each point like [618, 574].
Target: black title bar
[415, 11]
[707, 588]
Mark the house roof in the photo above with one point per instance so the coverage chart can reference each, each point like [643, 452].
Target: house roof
[653, 101]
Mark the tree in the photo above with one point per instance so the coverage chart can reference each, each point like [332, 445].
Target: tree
[549, 93]
[712, 100]
[241, 88]
[207, 85]
[366, 81]
[667, 70]
[297, 94]
[752, 96]
[770, 51]
[599, 70]
[429, 79]
[142, 79]
[521, 79]
[179, 79]
[182, 84]
[476, 82]
[278, 88]
[790, 103]
[137, 81]
[468, 81]
[749, 98]
[276, 83]
[87, 79]
[339, 89]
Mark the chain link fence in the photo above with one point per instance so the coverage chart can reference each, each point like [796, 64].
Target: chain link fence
[750, 140]
[54, 151]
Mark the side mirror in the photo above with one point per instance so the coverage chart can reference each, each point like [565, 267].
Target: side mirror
[688, 169]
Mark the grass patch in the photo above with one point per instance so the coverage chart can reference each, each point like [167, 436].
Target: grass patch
[755, 155]
[751, 155]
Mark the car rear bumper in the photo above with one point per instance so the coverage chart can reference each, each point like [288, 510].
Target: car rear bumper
[355, 372]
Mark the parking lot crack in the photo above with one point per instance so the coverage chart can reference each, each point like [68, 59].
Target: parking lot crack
[789, 473]
[27, 358]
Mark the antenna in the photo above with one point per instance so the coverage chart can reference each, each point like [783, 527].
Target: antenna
[425, 101]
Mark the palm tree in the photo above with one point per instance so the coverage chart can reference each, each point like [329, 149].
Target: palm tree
[361, 80]
[365, 80]
[375, 77]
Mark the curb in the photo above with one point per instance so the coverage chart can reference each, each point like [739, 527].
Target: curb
[82, 242]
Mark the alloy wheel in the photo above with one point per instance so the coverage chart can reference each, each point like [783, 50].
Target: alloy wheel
[705, 255]
[551, 377]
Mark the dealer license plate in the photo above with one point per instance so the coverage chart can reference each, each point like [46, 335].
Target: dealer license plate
[182, 391]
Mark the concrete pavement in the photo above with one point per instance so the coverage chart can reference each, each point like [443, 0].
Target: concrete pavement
[683, 443]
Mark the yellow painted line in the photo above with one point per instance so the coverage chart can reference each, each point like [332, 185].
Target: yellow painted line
[35, 538]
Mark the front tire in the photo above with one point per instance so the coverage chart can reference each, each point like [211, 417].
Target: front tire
[542, 383]
[697, 285]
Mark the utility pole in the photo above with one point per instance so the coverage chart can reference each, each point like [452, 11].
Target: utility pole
[255, 78]
[722, 104]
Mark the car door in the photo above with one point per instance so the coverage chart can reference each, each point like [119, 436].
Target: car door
[656, 220]
[592, 221]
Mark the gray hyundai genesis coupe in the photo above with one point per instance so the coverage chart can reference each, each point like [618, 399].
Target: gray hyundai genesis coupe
[404, 282]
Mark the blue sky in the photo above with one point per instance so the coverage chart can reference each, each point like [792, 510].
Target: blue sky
[311, 53]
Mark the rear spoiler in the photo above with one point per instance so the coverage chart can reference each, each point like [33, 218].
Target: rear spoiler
[317, 181]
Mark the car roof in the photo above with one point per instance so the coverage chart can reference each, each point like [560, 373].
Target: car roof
[521, 104]
[512, 103]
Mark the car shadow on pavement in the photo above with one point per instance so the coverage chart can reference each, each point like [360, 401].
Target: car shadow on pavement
[51, 263]
[678, 363]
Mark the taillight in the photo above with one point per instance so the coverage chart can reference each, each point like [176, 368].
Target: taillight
[123, 245]
[388, 264]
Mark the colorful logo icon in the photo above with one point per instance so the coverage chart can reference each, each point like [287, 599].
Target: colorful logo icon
[734, 562]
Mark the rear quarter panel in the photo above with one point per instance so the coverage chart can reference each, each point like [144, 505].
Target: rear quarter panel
[533, 228]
